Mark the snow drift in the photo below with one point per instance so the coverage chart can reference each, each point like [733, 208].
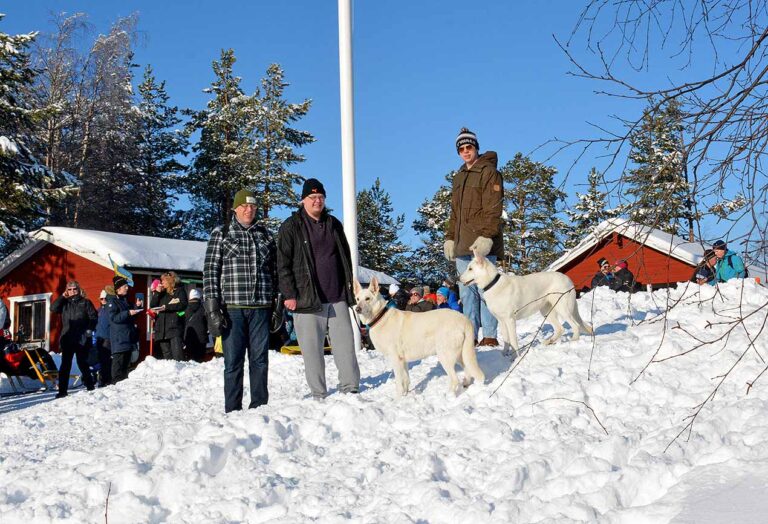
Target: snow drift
[574, 434]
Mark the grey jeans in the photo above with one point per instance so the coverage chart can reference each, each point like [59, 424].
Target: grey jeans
[310, 333]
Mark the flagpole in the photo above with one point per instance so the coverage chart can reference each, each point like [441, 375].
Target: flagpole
[346, 94]
[347, 129]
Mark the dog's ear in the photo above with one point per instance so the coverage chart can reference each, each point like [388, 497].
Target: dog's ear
[374, 285]
[356, 287]
[479, 259]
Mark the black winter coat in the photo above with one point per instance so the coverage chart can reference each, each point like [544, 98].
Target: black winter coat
[296, 266]
[703, 270]
[168, 323]
[196, 331]
[601, 279]
[77, 317]
[123, 334]
[624, 281]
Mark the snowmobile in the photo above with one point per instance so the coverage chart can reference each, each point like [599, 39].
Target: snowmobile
[28, 361]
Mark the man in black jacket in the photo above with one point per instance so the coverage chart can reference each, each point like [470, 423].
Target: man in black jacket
[314, 269]
[604, 277]
[78, 320]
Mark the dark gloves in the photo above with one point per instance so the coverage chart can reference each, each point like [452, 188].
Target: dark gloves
[217, 322]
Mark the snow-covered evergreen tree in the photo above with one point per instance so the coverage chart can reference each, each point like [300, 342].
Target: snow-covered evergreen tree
[589, 211]
[658, 193]
[224, 158]
[378, 229]
[111, 196]
[245, 142]
[533, 230]
[428, 262]
[159, 143]
[276, 142]
[28, 187]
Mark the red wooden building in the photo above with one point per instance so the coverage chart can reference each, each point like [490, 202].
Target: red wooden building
[36, 274]
[655, 258]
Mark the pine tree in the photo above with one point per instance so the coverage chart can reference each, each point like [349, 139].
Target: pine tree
[29, 188]
[428, 261]
[111, 195]
[377, 232]
[660, 195]
[589, 211]
[245, 142]
[158, 146]
[223, 162]
[533, 229]
[276, 142]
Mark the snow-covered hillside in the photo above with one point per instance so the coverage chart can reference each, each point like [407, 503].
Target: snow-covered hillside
[159, 448]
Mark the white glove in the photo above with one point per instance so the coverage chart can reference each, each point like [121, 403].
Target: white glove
[481, 246]
[448, 249]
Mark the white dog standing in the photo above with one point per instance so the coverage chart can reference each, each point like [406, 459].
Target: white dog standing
[510, 297]
[405, 336]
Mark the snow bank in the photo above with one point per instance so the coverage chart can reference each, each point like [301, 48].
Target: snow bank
[160, 448]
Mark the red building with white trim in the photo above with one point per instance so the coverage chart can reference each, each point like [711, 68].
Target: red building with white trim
[36, 274]
[655, 258]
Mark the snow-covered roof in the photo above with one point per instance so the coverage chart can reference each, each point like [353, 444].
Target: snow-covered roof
[129, 251]
[364, 275]
[132, 251]
[672, 245]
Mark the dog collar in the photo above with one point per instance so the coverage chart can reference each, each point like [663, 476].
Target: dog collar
[378, 317]
[493, 282]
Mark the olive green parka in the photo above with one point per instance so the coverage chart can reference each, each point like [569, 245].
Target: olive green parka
[477, 201]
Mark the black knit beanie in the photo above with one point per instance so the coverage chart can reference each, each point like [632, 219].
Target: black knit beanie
[312, 186]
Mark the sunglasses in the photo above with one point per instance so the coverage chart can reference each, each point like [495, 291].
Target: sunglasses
[466, 148]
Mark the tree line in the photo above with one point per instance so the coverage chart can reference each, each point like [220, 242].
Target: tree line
[80, 147]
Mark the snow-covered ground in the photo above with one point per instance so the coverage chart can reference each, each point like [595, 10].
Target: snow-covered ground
[158, 447]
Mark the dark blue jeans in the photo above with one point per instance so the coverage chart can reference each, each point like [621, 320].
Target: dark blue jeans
[248, 330]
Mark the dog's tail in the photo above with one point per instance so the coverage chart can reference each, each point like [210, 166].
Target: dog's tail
[469, 355]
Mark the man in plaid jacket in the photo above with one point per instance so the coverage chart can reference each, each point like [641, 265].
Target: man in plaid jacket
[240, 282]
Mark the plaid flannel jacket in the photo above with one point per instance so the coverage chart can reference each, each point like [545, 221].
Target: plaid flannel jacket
[240, 270]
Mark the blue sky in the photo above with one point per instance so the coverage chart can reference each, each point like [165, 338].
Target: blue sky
[422, 70]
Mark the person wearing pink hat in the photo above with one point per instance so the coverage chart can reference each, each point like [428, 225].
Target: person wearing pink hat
[624, 280]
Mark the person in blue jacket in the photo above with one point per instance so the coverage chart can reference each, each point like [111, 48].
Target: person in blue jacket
[102, 342]
[729, 264]
[123, 335]
[446, 299]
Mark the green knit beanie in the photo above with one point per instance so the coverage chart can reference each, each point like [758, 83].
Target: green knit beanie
[244, 196]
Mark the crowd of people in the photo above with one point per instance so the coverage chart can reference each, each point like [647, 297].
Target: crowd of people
[104, 341]
[307, 269]
[718, 264]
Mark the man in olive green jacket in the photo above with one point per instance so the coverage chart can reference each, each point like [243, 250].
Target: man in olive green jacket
[475, 225]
